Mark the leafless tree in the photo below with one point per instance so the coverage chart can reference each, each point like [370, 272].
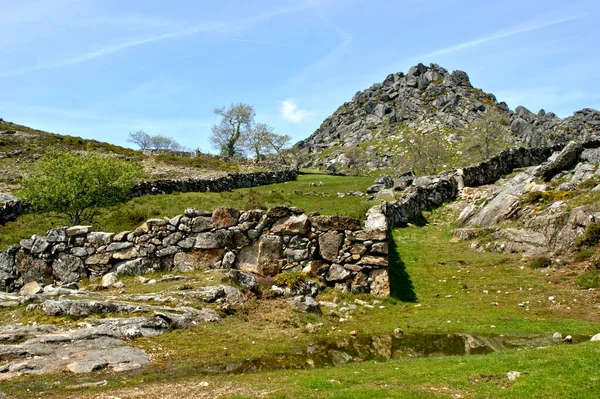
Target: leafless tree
[141, 139]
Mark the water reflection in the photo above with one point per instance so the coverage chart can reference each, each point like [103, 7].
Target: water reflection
[383, 348]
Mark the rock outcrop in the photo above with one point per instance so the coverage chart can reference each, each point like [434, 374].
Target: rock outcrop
[430, 99]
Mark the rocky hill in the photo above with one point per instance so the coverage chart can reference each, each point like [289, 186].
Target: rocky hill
[430, 100]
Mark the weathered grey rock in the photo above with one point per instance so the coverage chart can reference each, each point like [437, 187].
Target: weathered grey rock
[32, 269]
[202, 223]
[31, 288]
[244, 280]
[56, 236]
[169, 251]
[68, 268]
[337, 273]
[98, 259]
[78, 230]
[228, 260]
[109, 279]
[306, 304]
[99, 238]
[118, 246]
[213, 240]
[270, 251]
[330, 244]
[247, 259]
[197, 260]
[380, 283]
[565, 160]
[503, 207]
[291, 225]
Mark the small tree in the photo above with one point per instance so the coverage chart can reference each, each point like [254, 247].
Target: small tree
[77, 186]
[262, 140]
[236, 121]
[357, 159]
[165, 143]
[486, 136]
[426, 152]
[141, 139]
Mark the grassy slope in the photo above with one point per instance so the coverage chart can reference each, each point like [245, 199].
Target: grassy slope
[423, 267]
[131, 214]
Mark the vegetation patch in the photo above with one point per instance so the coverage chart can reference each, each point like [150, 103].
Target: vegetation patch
[540, 262]
[291, 279]
[589, 279]
[546, 197]
[591, 237]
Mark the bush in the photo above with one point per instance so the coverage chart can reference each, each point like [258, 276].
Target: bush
[589, 279]
[291, 279]
[254, 201]
[546, 197]
[540, 262]
[589, 184]
[591, 237]
[584, 255]
[77, 186]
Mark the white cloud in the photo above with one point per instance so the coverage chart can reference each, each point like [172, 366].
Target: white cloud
[290, 112]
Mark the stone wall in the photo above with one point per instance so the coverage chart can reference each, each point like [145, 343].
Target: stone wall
[334, 249]
[10, 210]
[228, 182]
[428, 192]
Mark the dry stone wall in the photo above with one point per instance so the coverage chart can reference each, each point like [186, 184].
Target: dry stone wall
[11, 209]
[337, 250]
[428, 192]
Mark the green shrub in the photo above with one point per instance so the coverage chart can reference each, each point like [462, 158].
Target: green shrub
[254, 201]
[591, 237]
[546, 197]
[77, 186]
[540, 262]
[589, 279]
[584, 255]
[589, 184]
[291, 279]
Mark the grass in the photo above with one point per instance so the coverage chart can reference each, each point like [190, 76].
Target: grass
[127, 216]
[447, 288]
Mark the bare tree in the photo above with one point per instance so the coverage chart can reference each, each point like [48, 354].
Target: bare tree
[486, 135]
[148, 142]
[165, 143]
[236, 121]
[261, 140]
[141, 139]
[356, 159]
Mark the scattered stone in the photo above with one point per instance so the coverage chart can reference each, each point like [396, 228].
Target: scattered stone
[31, 288]
[306, 304]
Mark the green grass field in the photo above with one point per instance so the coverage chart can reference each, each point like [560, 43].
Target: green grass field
[439, 286]
[320, 198]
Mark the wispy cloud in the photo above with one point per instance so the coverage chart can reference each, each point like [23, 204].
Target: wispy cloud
[333, 55]
[290, 111]
[195, 29]
[110, 50]
[517, 30]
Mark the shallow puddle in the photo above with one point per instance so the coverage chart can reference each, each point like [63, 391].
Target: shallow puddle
[386, 347]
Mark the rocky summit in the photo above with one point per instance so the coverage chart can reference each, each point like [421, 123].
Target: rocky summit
[430, 100]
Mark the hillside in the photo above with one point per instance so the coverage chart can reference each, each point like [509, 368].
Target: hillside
[432, 102]
[20, 146]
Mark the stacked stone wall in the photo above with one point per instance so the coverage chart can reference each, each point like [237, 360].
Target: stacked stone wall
[336, 250]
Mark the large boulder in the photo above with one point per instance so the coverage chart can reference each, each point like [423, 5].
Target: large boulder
[291, 225]
[68, 268]
[198, 260]
[270, 252]
[330, 244]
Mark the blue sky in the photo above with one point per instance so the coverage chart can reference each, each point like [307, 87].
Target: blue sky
[103, 68]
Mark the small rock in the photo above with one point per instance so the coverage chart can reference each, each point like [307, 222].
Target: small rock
[31, 288]
[398, 331]
[109, 279]
[557, 336]
[141, 279]
[568, 339]
[513, 375]
[353, 333]
[118, 284]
